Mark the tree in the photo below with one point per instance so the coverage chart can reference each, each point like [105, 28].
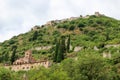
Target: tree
[72, 27]
[94, 68]
[68, 44]
[4, 57]
[81, 25]
[5, 74]
[56, 51]
[60, 54]
[60, 49]
[13, 54]
[35, 35]
[63, 46]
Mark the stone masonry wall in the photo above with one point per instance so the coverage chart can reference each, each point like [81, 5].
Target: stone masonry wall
[29, 66]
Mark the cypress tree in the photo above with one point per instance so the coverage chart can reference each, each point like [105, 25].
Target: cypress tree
[13, 54]
[60, 54]
[62, 49]
[56, 51]
[68, 44]
[35, 35]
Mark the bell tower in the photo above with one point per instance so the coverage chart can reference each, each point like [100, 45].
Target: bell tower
[28, 55]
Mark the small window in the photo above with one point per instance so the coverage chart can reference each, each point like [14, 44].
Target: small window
[31, 66]
[26, 53]
[27, 67]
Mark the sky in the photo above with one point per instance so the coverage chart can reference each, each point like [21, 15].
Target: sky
[19, 16]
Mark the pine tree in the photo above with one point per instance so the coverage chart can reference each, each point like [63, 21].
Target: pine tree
[68, 44]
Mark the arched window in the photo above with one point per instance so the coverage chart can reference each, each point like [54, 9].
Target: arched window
[27, 67]
[23, 67]
[31, 66]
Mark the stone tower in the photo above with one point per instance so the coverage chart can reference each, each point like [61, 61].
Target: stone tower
[28, 56]
[97, 14]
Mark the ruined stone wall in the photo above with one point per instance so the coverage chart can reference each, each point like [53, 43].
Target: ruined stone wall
[43, 48]
[26, 67]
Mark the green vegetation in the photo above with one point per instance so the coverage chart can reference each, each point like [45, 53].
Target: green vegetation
[5, 74]
[85, 64]
[60, 51]
[87, 67]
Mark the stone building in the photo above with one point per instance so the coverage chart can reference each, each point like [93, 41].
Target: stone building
[73, 18]
[28, 66]
[98, 14]
[35, 28]
[26, 59]
[27, 62]
[50, 23]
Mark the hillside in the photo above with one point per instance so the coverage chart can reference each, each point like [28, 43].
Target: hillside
[93, 54]
[88, 32]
